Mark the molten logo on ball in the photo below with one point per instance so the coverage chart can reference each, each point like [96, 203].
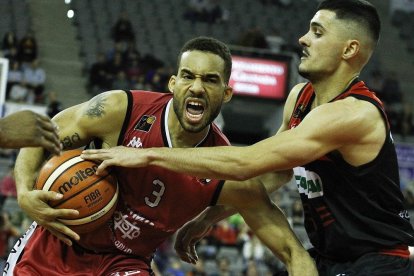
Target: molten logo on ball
[78, 177]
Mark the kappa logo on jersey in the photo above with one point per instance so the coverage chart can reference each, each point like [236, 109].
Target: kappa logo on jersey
[204, 181]
[145, 123]
[135, 142]
[308, 182]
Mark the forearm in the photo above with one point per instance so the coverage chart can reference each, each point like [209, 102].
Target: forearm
[272, 228]
[229, 163]
[268, 223]
[27, 163]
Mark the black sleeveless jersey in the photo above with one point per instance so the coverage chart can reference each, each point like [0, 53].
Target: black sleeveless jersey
[350, 211]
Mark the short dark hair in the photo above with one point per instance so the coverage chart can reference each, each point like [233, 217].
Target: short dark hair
[212, 45]
[360, 11]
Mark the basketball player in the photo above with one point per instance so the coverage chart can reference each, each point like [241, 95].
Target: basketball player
[336, 137]
[28, 129]
[154, 202]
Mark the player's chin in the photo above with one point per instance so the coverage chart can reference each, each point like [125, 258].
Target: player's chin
[195, 127]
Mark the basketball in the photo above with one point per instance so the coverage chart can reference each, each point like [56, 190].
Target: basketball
[94, 196]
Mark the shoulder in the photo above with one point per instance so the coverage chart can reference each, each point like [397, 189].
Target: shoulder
[110, 97]
[291, 100]
[219, 138]
[149, 97]
[294, 93]
[103, 108]
[347, 119]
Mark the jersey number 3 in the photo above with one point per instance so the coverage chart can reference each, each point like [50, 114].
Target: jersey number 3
[157, 193]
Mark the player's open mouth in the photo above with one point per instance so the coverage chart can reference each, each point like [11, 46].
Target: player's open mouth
[194, 110]
[304, 55]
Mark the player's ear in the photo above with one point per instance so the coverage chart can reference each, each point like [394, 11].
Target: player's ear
[171, 83]
[351, 49]
[228, 93]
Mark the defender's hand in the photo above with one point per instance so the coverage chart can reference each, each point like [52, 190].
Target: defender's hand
[29, 129]
[117, 156]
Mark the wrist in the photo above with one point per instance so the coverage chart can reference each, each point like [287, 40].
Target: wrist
[151, 156]
[21, 196]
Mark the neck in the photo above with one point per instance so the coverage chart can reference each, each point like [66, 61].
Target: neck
[327, 89]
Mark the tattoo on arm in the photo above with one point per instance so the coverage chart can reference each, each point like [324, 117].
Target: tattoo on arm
[96, 107]
[70, 141]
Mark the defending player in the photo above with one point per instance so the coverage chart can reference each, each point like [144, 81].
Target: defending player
[336, 137]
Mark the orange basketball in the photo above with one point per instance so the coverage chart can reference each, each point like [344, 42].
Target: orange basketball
[94, 196]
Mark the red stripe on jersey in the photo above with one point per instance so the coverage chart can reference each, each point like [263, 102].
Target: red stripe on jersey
[399, 251]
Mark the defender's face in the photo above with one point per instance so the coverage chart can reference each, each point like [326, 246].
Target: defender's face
[199, 89]
[322, 46]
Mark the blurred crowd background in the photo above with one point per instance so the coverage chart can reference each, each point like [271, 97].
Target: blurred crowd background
[62, 53]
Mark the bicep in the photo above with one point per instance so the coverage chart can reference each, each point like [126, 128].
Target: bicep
[73, 127]
[101, 117]
[323, 130]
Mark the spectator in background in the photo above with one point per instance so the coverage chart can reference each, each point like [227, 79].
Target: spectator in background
[194, 11]
[13, 55]
[7, 232]
[138, 83]
[158, 80]
[198, 269]
[35, 77]
[252, 248]
[10, 41]
[8, 184]
[117, 49]
[174, 268]
[391, 91]
[275, 41]
[224, 234]
[19, 93]
[28, 48]
[208, 11]
[54, 106]
[131, 54]
[123, 31]
[14, 76]
[223, 264]
[251, 269]
[133, 71]
[98, 76]
[114, 67]
[253, 37]
[406, 120]
[213, 11]
[121, 81]
[376, 82]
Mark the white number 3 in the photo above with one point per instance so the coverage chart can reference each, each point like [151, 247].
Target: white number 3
[157, 192]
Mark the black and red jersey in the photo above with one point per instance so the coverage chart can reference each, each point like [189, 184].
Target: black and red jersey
[350, 211]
